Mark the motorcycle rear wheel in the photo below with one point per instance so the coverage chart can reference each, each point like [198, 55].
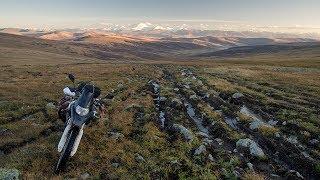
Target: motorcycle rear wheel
[65, 154]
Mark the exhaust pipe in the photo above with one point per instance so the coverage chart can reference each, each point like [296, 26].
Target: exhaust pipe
[77, 142]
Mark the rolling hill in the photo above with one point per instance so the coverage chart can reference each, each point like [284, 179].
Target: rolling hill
[288, 48]
[164, 118]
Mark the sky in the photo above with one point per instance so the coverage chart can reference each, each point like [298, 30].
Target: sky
[81, 13]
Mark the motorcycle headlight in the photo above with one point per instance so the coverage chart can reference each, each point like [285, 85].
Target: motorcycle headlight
[82, 111]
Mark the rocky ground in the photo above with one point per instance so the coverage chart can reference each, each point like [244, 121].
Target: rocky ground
[201, 121]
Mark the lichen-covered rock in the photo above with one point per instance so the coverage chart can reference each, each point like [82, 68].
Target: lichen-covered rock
[237, 95]
[139, 158]
[120, 86]
[250, 166]
[162, 98]
[257, 123]
[200, 83]
[115, 165]
[84, 176]
[187, 135]
[201, 149]
[253, 148]
[194, 97]
[186, 86]
[202, 134]
[207, 141]
[116, 135]
[210, 157]
[50, 106]
[9, 174]
[272, 122]
[219, 141]
[4, 131]
[314, 142]
[292, 174]
[292, 139]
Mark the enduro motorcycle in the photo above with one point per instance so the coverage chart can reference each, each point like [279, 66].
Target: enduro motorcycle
[81, 110]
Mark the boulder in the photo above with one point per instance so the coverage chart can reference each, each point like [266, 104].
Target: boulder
[115, 165]
[219, 141]
[210, 157]
[292, 174]
[9, 174]
[250, 166]
[292, 139]
[50, 106]
[5, 132]
[207, 141]
[201, 149]
[116, 135]
[237, 95]
[162, 98]
[84, 176]
[275, 176]
[314, 142]
[253, 148]
[176, 162]
[139, 158]
[186, 86]
[120, 86]
[272, 122]
[194, 97]
[200, 83]
[257, 123]
[187, 135]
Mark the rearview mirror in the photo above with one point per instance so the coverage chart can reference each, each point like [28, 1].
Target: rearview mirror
[71, 77]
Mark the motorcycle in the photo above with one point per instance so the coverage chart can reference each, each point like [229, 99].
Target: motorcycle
[82, 108]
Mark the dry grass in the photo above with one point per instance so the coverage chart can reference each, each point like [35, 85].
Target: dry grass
[253, 176]
[268, 130]
[31, 77]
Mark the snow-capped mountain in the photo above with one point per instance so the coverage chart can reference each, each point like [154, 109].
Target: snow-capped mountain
[165, 30]
[143, 26]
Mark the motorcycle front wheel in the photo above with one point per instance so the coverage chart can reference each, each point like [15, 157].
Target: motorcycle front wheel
[65, 154]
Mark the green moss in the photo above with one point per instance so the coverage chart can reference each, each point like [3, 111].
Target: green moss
[317, 168]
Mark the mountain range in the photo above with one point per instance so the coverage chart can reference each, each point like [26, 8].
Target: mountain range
[146, 40]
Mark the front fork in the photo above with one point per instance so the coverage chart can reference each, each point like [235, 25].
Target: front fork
[65, 136]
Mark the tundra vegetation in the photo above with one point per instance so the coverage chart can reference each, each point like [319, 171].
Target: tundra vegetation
[252, 117]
